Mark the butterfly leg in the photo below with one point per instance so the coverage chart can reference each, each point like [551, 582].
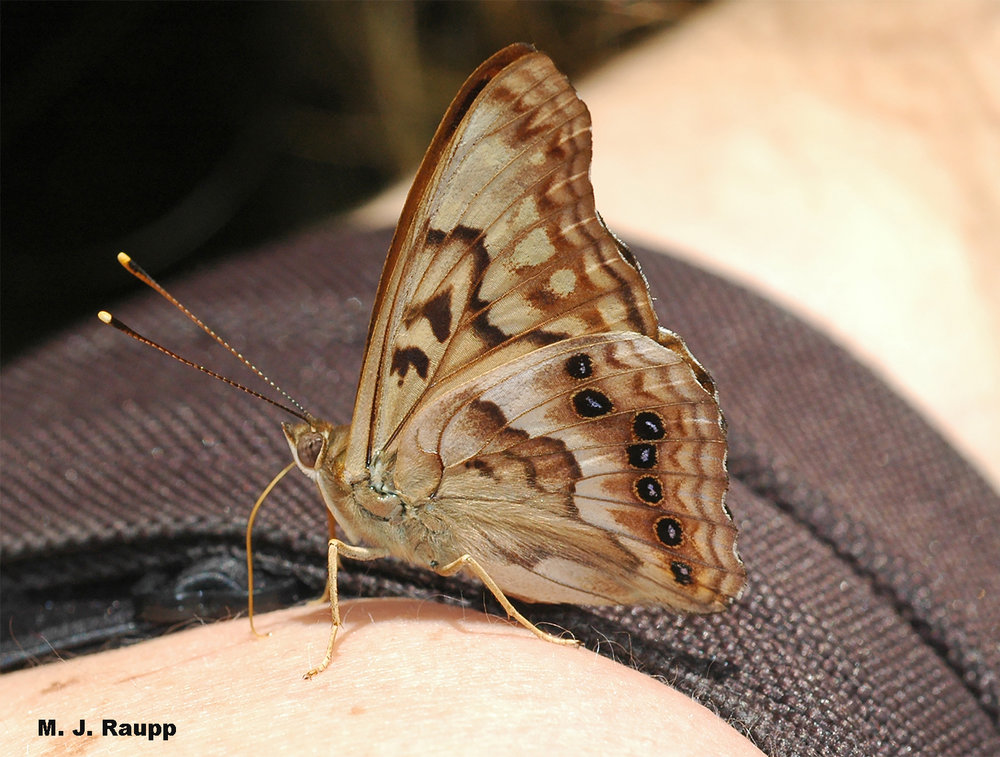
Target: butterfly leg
[469, 562]
[331, 524]
[335, 548]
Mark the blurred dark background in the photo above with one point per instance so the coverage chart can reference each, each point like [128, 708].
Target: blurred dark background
[180, 132]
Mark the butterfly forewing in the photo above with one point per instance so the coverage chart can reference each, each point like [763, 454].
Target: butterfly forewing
[499, 249]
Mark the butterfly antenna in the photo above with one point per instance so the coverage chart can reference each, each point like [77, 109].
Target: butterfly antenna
[109, 319]
[132, 267]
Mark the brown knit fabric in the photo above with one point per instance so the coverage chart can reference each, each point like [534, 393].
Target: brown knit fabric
[870, 623]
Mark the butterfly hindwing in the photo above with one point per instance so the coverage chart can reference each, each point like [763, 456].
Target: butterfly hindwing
[604, 488]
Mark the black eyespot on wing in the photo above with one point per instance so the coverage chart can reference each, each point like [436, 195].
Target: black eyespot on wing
[649, 490]
[642, 455]
[591, 403]
[648, 426]
[579, 366]
[683, 573]
[669, 532]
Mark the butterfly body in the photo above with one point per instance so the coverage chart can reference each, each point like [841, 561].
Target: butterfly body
[520, 414]
[372, 510]
[548, 496]
[520, 411]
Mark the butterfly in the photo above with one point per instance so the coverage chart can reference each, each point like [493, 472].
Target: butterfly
[521, 415]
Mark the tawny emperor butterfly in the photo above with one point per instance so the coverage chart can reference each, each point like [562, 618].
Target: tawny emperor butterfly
[521, 414]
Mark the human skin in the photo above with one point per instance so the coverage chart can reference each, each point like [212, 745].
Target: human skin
[407, 676]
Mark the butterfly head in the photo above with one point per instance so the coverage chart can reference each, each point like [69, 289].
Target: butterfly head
[315, 445]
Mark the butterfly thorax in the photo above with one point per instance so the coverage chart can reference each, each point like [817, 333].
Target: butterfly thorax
[370, 510]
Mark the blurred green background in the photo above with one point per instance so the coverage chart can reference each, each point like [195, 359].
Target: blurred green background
[184, 131]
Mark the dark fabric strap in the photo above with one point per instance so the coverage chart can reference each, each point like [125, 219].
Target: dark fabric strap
[871, 619]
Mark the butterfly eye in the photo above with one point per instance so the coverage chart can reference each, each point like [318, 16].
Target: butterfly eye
[309, 448]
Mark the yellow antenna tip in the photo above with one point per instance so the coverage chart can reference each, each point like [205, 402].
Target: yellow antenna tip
[105, 316]
[124, 259]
